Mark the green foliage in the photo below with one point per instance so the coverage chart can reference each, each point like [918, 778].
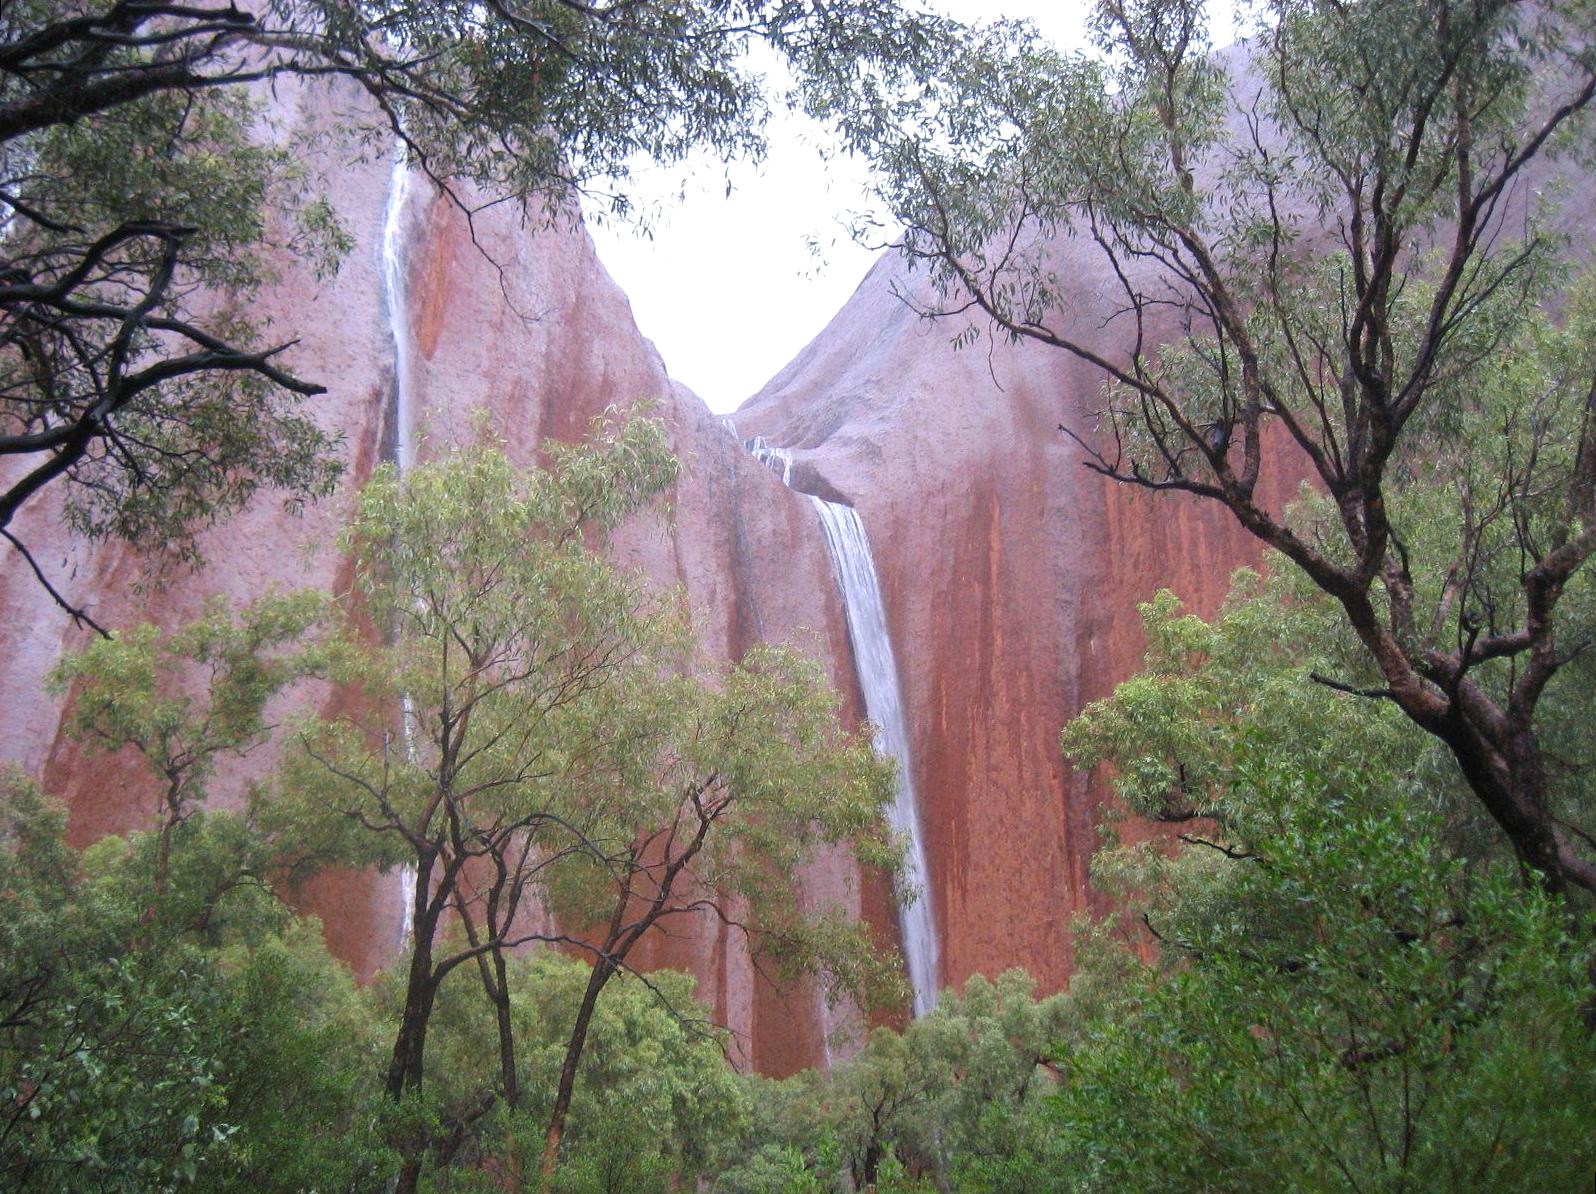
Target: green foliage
[153, 1054]
[655, 1097]
[193, 445]
[301, 1049]
[1335, 253]
[183, 702]
[1340, 1002]
[147, 194]
[654, 1100]
[1351, 990]
[137, 688]
[757, 761]
[1331, 980]
[1246, 680]
[562, 752]
[772, 1169]
[556, 734]
[507, 634]
[173, 1023]
[946, 1096]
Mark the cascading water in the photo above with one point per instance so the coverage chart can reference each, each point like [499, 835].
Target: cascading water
[393, 293]
[878, 680]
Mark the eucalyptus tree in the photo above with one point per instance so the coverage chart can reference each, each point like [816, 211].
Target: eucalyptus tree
[568, 770]
[730, 787]
[1324, 254]
[164, 1019]
[1347, 988]
[955, 1088]
[185, 701]
[498, 684]
[218, 1046]
[136, 197]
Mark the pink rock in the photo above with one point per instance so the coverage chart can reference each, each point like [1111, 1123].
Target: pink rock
[1011, 576]
[525, 324]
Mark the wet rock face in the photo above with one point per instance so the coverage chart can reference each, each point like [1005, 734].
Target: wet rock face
[525, 325]
[341, 327]
[1011, 575]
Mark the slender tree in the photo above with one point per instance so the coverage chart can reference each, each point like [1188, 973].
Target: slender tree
[564, 773]
[728, 792]
[185, 701]
[508, 637]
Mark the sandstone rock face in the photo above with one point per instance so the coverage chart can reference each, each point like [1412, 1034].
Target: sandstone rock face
[1011, 575]
[525, 325]
[1010, 572]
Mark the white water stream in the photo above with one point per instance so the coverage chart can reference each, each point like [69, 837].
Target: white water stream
[394, 299]
[393, 294]
[878, 680]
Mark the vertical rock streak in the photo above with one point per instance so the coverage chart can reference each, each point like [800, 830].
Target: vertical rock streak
[393, 294]
[877, 670]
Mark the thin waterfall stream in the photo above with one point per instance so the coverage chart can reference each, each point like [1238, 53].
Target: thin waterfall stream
[878, 680]
[394, 299]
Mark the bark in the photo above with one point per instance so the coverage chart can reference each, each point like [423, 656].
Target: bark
[499, 992]
[602, 970]
[871, 1166]
[618, 944]
[405, 1067]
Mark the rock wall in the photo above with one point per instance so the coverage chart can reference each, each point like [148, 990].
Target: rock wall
[1010, 572]
[525, 324]
[1011, 575]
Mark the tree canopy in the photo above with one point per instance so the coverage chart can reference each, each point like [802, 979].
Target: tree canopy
[539, 743]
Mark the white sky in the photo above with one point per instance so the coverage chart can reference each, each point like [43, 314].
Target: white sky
[730, 288]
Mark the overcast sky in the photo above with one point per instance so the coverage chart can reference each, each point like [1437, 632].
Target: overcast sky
[730, 288]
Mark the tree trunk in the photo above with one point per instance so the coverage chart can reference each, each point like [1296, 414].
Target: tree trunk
[871, 1168]
[406, 1066]
[499, 993]
[171, 808]
[409, 1046]
[409, 1175]
[602, 970]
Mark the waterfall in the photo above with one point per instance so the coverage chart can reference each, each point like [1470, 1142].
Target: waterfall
[878, 680]
[393, 294]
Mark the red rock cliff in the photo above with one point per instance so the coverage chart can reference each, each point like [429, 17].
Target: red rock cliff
[528, 326]
[1011, 575]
